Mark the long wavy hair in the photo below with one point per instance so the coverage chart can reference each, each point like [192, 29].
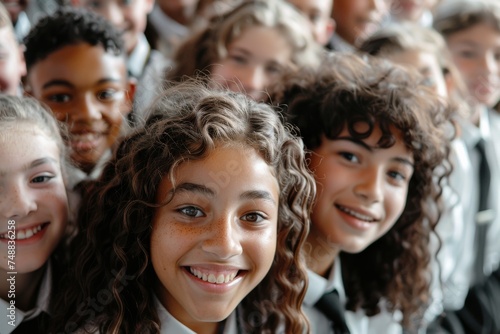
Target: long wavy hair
[207, 47]
[112, 251]
[350, 89]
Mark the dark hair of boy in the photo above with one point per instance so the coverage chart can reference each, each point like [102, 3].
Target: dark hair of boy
[70, 26]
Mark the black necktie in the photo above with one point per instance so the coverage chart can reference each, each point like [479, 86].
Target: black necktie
[484, 214]
[33, 326]
[329, 304]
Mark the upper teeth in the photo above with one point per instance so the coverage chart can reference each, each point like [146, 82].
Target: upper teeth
[85, 136]
[24, 234]
[213, 278]
[356, 214]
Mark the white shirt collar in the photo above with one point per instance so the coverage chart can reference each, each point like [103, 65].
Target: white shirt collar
[318, 285]
[138, 59]
[171, 325]
[166, 26]
[340, 44]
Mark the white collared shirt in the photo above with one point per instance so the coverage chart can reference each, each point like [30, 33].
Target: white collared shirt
[170, 32]
[358, 322]
[42, 304]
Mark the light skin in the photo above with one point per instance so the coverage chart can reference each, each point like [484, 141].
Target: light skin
[33, 195]
[129, 16]
[411, 10]
[358, 19]
[318, 14]
[476, 53]
[87, 88]
[426, 64]
[362, 191]
[15, 7]
[215, 240]
[255, 60]
[12, 65]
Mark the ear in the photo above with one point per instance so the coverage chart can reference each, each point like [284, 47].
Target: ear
[450, 83]
[129, 95]
[330, 29]
[22, 61]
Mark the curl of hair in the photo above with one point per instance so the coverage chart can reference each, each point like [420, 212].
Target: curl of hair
[184, 125]
[70, 26]
[208, 46]
[351, 89]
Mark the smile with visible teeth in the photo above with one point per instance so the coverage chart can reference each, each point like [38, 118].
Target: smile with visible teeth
[356, 214]
[25, 233]
[90, 136]
[216, 278]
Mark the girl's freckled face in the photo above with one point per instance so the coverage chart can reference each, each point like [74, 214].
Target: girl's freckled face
[215, 238]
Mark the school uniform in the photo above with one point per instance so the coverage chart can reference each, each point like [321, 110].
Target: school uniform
[148, 67]
[170, 325]
[482, 304]
[41, 306]
[357, 322]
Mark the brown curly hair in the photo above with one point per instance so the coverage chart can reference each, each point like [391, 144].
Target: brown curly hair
[351, 89]
[112, 251]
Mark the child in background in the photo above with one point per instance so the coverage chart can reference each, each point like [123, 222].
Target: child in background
[318, 13]
[416, 11]
[378, 143]
[33, 213]
[12, 65]
[169, 24]
[76, 65]
[249, 48]
[424, 49]
[204, 209]
[143, 63]
[472, 33]
[355, 21]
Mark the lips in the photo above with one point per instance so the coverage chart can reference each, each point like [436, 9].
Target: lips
[86, 141]
[212, 276]
[356, 214]
[26, 233]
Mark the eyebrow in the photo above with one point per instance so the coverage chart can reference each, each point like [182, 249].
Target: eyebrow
[258, 194]
[66, 83]
[33, 164]
[247, 195]
[371, 149]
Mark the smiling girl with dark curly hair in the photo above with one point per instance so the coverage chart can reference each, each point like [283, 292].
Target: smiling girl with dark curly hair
[196, 224]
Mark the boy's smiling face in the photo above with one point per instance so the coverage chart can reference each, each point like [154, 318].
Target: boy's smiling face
[87, 88]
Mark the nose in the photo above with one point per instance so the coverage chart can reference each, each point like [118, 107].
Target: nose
[16, 201]
[370, 186]
[489, 65]
[88, 109]
[254, 81]
[223, 238]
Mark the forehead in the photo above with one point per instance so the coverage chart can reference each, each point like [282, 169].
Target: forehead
[79, 63]
[265, 43]
[7, 39]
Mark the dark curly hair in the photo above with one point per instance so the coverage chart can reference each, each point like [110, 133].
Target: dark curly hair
[112, 250]
[348, 90]
[70, 26]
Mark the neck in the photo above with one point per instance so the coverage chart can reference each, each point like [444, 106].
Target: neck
[320, 253]
[23, 288]
[205, 327]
